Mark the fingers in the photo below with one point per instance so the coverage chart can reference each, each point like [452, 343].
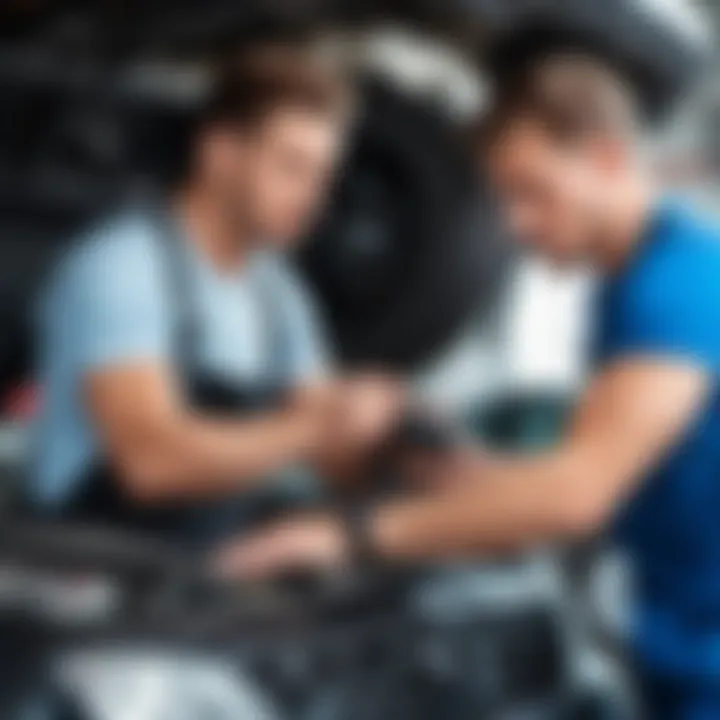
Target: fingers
[252, 559]
[354, 414]
[312, 544]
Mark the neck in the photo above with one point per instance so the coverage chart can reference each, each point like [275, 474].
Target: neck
[211, 228]
[625, 230]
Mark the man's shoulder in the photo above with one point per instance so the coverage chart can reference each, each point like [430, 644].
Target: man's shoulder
[688, 236]
[683, 253]
[120, 244]
[677, 277]
[126, 234]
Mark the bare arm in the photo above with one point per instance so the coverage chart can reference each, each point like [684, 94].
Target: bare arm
[628, 420]
[163, 450]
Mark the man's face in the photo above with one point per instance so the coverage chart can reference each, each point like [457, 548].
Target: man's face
[552, 193]
[276, 176]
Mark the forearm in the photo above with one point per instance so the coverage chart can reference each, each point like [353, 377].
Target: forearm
[629, 421]
[163, 450]
[192, 457]
[502, 506]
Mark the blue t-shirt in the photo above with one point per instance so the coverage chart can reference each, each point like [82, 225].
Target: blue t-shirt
[110, 301]
[666, 304]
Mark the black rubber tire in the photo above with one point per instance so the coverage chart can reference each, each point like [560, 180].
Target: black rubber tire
[659, 61]
[409, 249]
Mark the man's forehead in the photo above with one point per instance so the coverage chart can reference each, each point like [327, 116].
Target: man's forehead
[291, 124]
[525, 141]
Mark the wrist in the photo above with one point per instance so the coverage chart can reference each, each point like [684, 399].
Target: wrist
[308, 432]
[360, 543]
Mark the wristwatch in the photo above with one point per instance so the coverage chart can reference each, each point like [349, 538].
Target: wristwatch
[361, 547]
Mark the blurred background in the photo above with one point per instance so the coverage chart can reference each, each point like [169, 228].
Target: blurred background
[410, 265]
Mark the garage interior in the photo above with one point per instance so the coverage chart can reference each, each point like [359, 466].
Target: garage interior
[412, 272]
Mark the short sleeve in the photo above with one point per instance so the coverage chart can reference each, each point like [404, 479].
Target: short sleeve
[671, 309]
[116, 310]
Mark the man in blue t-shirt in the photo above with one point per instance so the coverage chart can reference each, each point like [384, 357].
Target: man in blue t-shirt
[642, 453]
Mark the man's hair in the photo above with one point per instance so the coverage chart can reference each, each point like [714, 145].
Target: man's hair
[570, 95]
[261, 79]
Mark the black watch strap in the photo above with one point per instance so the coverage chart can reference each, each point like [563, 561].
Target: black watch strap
[356, 517]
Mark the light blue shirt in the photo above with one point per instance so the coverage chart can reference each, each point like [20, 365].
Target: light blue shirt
[110, 302]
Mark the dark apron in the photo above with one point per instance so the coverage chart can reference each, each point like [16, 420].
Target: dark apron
[100, 496]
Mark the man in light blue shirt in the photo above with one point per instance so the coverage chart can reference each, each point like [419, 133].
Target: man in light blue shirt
[109, 304]
[163, 323]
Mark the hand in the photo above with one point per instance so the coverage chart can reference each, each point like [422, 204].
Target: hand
[349, 417]
[369, 409]
[313, 406]
[307, 544]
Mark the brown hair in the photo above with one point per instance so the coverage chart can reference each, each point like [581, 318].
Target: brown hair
[259, 80]
[571, 95]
